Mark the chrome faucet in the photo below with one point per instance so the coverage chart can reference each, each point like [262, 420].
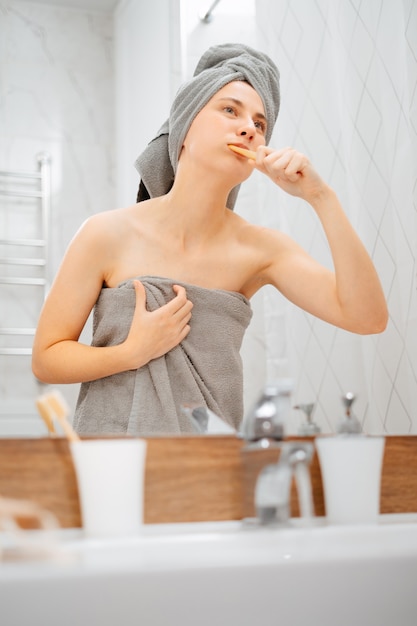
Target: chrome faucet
[263, 428]
[273, 486]
[267, 418]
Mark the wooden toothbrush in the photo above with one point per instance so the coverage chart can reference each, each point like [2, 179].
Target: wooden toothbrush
[250, 154]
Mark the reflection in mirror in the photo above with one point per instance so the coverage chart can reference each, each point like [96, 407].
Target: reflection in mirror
[64, 66]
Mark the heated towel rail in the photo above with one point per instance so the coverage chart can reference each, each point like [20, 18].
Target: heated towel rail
[24, 218]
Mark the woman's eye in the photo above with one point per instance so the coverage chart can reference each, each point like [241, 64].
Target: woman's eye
[229, 109]
[260, 125]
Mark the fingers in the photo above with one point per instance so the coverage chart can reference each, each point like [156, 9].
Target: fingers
[284, 164]
[183, 307]
[176, 312]
[140, 294]
[154, 333]
[180, 305]
[140, 291]
[175, 317]
[179, 290]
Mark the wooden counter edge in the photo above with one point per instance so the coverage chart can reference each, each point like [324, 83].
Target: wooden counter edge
[187, 478]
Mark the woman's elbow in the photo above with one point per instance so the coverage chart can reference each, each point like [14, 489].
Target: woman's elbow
[382, 325]
[375, 324]
[39, 368]
[37, 371]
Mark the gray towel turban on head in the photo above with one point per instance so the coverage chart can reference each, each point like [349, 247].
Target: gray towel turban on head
[217, 67]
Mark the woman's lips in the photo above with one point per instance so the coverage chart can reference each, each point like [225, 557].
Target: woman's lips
[249, 154]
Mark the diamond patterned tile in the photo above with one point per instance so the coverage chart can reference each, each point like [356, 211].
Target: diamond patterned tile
[397, 416]
[349, 99]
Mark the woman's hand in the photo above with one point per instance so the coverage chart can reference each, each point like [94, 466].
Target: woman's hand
[154, 333]
[291, 171]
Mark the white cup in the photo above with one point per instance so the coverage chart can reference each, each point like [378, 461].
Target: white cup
[110, 476]
[351, 468]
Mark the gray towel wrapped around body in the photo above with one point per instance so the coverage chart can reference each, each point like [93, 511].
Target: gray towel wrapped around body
[204, 369]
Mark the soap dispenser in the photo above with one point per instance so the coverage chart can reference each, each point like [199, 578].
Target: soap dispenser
[349, 424]
[351, 469]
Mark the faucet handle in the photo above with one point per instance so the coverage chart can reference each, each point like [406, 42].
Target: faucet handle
[294, 452]
[308, 428]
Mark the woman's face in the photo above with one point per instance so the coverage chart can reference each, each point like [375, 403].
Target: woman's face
[234, 115]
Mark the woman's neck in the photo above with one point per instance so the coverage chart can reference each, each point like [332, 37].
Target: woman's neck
[193, 211]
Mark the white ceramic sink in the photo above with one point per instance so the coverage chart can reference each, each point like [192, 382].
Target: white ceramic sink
[233, 543]
[223, 573]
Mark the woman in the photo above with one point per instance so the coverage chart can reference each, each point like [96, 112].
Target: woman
[170, 278]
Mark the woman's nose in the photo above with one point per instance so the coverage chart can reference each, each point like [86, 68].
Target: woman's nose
[247, 130]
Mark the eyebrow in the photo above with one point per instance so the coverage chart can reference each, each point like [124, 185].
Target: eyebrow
[240, 103]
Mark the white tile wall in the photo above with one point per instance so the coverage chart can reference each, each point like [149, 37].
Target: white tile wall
[56, 95]
[349, 100]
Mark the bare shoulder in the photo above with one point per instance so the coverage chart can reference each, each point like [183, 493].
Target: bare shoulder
[269, 253]
[262, 238]
[101, 233]
[107, 224]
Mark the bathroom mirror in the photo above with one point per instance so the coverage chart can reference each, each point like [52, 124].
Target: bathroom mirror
[90, 82]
